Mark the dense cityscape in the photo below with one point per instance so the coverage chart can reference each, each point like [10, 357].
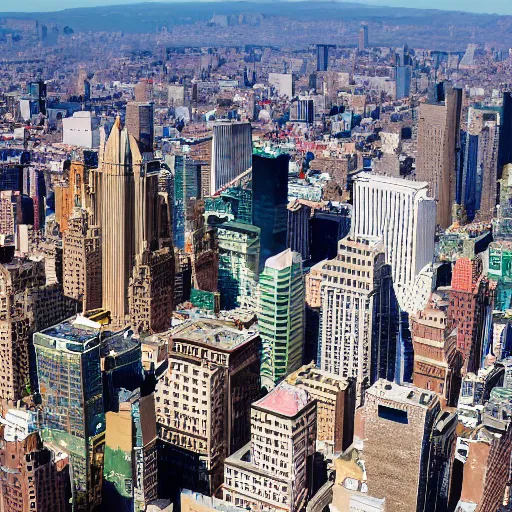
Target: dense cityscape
[255, 257]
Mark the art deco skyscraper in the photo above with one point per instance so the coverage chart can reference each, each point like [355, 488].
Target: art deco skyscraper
[127, 190]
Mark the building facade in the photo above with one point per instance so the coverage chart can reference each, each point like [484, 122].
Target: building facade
[281, 316]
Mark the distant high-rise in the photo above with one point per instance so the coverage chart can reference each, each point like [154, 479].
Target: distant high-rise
[363, 38]
[139, 123]
[477, 175]
[302, 110]
[403, 76]
[281, 316]
[231, 152]
[438, 138]
[187, 185]
[322, 57]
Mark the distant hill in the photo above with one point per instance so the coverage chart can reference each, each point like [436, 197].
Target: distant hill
[389, 25]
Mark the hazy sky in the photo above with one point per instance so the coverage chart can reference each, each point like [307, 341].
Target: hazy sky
[493, 6]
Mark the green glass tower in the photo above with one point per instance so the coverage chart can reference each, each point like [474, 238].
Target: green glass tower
[281, 316]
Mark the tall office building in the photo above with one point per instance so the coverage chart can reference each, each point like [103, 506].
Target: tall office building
[477, 174]
[400, 212]
[302, 110]
[81, 259]
[151, 291]
[231, 152]
[139, 122]
[362, 41]
[359, 314]
[73, 418]
[239, 255]
[322, 57]
[187, 186]
[269, 201]
[438, 141]
[281, 316]
[203, 401]
[277, 460]
[397, 440]
[127, 191]
[403, 75]
[437, 362]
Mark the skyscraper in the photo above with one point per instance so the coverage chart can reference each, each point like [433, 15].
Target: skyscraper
[81, 260]
[231, 152]
[476, 180]
[70, 385]
[127, 190]
[139, 122]
[239, 255]
[322, 57]
[363, 42]
[269, 201]
[400, 212]
[403, 76]
[359, 314]
[281, 316]
[187, 185]
[438, 139]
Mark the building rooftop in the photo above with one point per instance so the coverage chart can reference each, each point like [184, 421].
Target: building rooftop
[386, 180]
[78, 330]
[285, 399]
[218, 333]
[311, 375]
[283, 260]
[408, 395]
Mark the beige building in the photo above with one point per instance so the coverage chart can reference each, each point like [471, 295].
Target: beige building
[438, 132]
[81, 260]
[203, 400]
[151, 291]
[398, 422]
[336, 400]
[348, 294]
[127, 208]
[269, 473]
[313, 285]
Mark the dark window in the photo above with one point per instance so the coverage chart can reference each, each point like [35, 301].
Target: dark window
[391, 414]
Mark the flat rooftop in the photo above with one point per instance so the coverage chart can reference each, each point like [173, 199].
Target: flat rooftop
[285, 399]
[217, 333]
[70, 330]
[409, 395]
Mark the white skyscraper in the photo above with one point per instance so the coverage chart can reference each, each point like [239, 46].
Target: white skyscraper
[400, 212]
[231, 152]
